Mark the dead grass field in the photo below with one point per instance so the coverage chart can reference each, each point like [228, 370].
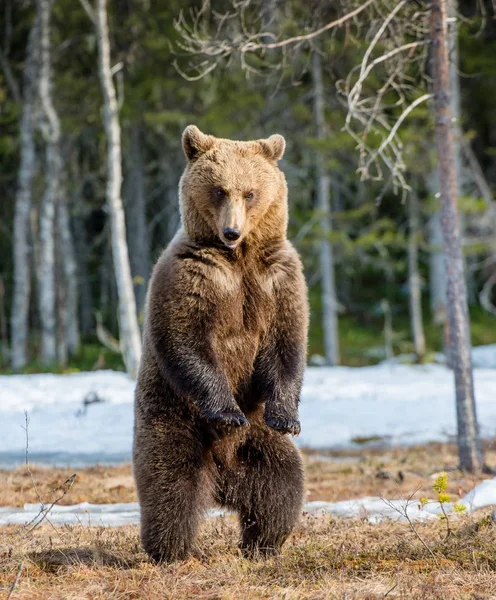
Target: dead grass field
[324, 558]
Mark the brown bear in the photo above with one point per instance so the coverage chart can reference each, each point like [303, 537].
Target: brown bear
[224, 350]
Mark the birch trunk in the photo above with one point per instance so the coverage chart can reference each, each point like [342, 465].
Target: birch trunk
[415, 284]
[22, 225]
[50, 128]
[129, 335]
[469, 443]
[323, 184]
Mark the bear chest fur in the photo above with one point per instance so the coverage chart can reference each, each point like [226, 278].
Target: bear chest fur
[244, 313]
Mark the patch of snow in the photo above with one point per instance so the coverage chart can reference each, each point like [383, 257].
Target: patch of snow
[374, 509]
[399, 404]
[484, 357]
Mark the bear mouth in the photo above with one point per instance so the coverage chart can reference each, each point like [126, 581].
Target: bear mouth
[231, 244]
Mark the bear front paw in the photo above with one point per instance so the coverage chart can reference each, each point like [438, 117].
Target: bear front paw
[283, 424]
[228, 418]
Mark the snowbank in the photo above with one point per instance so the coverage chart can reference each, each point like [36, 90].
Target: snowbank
[402, 404]
[372, 508]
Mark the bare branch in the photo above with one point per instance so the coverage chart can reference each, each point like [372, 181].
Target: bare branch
[241, 40]
[313, 34]
[398, 123]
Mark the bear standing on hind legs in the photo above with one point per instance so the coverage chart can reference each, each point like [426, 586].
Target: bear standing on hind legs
[224, 350]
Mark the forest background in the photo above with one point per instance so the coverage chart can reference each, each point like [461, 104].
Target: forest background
[373, 256]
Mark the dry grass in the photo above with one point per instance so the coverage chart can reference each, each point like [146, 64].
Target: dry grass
[331, 476]
[324, 558]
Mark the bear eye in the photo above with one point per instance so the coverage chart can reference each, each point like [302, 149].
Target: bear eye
[249, 196]
[220, 193]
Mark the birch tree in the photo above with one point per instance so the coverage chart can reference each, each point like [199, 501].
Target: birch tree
[323, 187]
[49, 126]
[129, 335]
[21, 241]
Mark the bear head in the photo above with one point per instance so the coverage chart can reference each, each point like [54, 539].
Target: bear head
[231, 191]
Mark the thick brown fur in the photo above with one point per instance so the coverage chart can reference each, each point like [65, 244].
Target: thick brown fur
[224, 350]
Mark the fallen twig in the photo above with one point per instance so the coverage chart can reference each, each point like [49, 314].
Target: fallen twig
[16, 580]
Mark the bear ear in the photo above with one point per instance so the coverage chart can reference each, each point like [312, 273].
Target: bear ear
[195, 142]
[273, 147]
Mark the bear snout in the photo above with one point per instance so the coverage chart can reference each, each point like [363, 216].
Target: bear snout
[231, 234]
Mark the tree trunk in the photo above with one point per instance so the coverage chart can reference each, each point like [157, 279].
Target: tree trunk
[22, 226]
[50, 128]
[136, 225]
[469, 443]
[69, 268]
[414, 279]
[323, 184]
[128, 323]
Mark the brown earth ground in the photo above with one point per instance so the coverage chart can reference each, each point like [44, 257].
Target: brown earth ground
[324, 558]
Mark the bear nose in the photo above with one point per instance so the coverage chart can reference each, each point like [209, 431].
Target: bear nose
[231, 234]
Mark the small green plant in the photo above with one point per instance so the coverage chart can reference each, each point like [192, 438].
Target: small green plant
[440, 486]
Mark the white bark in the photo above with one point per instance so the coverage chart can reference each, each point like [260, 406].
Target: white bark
[128, 323]
[415, 284]
[50, 128]
[329, 299]
[21, 245]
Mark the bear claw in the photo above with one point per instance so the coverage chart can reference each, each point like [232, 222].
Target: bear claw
[284, 425]
[228, 418]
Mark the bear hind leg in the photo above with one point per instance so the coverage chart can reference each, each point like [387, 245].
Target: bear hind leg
[265, 487]
[173, 486]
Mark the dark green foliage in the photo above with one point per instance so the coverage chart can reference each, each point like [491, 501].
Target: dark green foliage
[370, 238]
